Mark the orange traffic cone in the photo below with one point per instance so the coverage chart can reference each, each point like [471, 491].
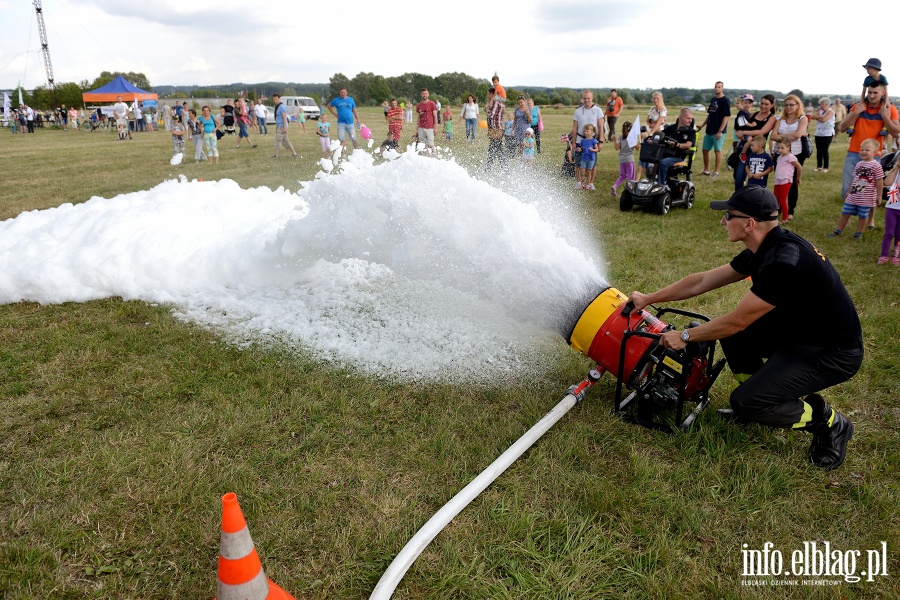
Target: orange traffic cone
[240, 573]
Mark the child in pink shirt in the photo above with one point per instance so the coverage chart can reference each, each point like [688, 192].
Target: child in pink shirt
[787, 167]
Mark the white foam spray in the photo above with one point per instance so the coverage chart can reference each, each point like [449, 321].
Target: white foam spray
[408, 268]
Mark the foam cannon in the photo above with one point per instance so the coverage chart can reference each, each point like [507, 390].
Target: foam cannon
[625, 343]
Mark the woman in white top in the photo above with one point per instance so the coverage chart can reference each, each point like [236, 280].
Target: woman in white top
[824, 133]
[791, 127]
[656, 117]
[470, 114]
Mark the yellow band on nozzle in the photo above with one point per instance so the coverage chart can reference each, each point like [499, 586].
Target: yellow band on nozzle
[593, 318]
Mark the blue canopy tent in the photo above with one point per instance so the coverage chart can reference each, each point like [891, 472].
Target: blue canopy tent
[115, 88]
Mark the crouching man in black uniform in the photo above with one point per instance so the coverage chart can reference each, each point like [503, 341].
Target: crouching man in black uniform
[795, 333]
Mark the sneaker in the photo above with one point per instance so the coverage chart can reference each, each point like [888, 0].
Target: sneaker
[824, 170]
[857, 235]
[612, 191]
[715, 174]
[895, 261]
[829, 445]
[871, 228]
[883, 260]
[590, 187]
[835, 233]
[578, 185]
[705, 173]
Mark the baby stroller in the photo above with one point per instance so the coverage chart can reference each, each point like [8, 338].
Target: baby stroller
[228, 123]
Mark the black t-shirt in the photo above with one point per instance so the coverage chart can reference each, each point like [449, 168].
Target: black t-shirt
[680, 134]
[756, 122]
[812, 306]
[719, 108]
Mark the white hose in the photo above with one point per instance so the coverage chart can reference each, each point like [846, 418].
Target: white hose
[397, 569]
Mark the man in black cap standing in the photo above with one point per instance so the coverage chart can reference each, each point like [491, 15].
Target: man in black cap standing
[796, 331]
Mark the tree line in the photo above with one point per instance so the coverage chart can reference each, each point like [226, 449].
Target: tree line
[369, 89]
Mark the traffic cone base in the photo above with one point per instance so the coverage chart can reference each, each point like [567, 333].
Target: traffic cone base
[276, 593]
[240, 575]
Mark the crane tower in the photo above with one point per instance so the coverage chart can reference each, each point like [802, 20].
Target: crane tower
[45, 50]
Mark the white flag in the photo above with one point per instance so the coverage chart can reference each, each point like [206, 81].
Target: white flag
[634, 136]
[6, 106]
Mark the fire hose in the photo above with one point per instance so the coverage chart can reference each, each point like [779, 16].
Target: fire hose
[623, 342]
[417, 544]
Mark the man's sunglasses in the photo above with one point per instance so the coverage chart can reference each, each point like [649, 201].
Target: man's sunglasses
[729, 216]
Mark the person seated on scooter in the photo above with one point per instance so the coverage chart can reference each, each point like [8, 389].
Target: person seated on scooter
[682, 136]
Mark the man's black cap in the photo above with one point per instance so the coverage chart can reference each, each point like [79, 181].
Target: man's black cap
[753, 200]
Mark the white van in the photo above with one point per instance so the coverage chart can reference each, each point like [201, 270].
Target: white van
[295, 104]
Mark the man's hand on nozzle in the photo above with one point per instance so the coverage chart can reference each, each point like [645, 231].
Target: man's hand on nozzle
[639, 300]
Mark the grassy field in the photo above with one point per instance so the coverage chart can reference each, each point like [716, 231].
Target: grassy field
[122, 427]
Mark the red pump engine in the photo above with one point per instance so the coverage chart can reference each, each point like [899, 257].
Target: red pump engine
[626, 343]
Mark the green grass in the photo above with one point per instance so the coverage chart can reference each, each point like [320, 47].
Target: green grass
[123, 427]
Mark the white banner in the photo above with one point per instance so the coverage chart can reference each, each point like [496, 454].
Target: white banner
[634, 135]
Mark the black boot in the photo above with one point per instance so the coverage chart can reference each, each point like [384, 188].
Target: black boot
[829, 445]
[728, 415]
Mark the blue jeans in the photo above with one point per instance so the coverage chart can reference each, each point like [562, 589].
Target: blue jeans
[263, 126]
[345, 129]
[853, 158]
[664, 165]
[471, 124]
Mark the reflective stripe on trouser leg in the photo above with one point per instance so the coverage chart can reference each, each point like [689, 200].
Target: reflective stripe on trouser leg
[771, 395]
[747, 350]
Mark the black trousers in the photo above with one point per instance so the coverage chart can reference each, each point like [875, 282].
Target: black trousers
[495, 152]
[794, 192]
[822, 144]
[611, 121]
[780, 374]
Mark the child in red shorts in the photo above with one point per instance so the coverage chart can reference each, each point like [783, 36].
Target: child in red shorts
[787, 167]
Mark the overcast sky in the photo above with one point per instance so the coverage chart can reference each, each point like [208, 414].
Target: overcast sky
[563, 43]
